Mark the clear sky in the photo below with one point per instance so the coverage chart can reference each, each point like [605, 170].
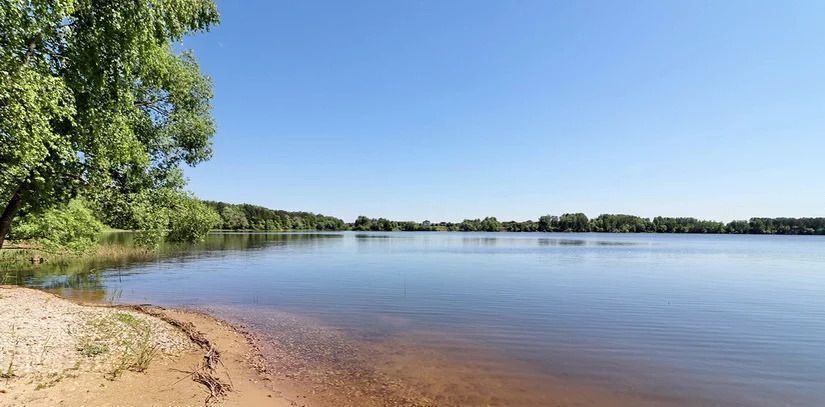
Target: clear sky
[445, 110]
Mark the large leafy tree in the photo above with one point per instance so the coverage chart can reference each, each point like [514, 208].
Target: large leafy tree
[95, 96]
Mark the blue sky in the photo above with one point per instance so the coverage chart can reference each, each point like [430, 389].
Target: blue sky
[446, 110]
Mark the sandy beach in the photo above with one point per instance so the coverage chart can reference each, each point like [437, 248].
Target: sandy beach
[56, 352]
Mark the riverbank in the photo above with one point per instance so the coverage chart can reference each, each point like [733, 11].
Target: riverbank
[56, 352]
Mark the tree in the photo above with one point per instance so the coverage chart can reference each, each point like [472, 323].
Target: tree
[547, 222]
[362, 223]
[192, 220]
[490, 224]
[93, 96]
[71, 227]
[234, 218]
[620, 224]
[574, 222]
[470, 225]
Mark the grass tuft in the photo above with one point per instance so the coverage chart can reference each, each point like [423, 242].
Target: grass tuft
[91, 348]
[128, 319]
[9, 372]
[126, 337]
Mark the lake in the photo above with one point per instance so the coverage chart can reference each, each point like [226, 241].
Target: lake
[508, 318]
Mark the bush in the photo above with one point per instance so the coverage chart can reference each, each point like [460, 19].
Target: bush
[191, 220]
[72, 228]
[149, 215]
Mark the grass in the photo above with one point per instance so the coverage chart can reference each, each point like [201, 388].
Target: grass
[90, 348]
[114, 296]
[53, 379]
[127, 319]
[122, 252]
[140, 355]
[137, 357]
[9, 372]
[45, 348]
[10, 277]
[16, 257]
[126, 337]
[16, 267]
[141, 350]
[12, 258]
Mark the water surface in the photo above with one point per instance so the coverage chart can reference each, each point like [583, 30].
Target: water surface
[660, 319]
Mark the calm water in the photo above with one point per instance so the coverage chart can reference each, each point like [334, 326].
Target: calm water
[695, 320]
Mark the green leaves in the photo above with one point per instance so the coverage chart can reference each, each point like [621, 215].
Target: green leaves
[93, 95]
[72, 228]
[233, 218]
[30, 103]
[191, 221]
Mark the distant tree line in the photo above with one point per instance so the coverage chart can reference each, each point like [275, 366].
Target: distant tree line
[579, 222]
[253, 217]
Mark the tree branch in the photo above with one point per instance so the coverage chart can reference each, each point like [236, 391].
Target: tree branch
[30, 49]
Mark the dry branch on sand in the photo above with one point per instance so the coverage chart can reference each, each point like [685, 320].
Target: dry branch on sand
[204, 373]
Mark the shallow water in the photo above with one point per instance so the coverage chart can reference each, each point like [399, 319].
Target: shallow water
[514, 319]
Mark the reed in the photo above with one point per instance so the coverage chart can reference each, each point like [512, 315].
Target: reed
[26, 258]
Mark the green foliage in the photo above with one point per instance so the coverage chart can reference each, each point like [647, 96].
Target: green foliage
[738, 227]
[610, 223]
[191, 220]
[687, 225]
[33, 99]
[547, 223]
[148, 214]
[363, 223]
[157, 215]
[787, 226]
[95, 97]
[621, 224]
[470, 225]
[234, 218]
[573, 222]
[71, 227]
[526, 226]
[253, 217]
[490, 224]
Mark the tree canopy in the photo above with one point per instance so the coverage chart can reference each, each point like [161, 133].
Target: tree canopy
[254, 217]
[96, 97]
[611, 223]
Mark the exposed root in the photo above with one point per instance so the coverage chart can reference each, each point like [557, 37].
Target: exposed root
[216, 387]
[205, 372]
[187, 327]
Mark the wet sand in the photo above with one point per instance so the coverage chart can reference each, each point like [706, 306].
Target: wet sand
[333, 368]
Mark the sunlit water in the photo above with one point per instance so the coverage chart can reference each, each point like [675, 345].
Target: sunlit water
[684, 319]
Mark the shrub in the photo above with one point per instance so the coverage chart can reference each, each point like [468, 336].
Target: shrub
[191, 220]
[149, 215]
[72, 227]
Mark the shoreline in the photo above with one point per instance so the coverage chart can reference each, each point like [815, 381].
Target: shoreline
[292, 362]
[42, 366]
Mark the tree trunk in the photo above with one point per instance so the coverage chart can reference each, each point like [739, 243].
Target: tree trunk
[8, 214]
